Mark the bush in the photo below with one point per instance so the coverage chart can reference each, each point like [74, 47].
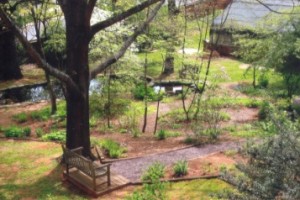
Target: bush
[253, 103]
[27, 131]
[39, 132]
[264, 111]
[154, 172]
[20, 118]
[130, 121]
[41, 115]
[180, 168]
[14, 131]
[272, 163]
[263, 81]
[113, 149]
[190, 140]
[161, 135]
[55, 136]
[140, 93]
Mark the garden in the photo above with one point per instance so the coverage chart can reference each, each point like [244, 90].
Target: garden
[174, 118]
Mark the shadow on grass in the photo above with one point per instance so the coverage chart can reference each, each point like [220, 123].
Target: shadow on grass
[50, 186]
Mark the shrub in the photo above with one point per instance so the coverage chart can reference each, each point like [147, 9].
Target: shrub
[263, 81]
[14, 131]
[140, 93]
[55, 136]
[180, 168]
[264, 110]
[190, 140]
[272, 163]
[154, 172]
[61, 112]
[161, 135]
[130, 121]
[41, 115]
[20, 118]
[39, 132]
[27, 131]
[253, 103]
[112, 148]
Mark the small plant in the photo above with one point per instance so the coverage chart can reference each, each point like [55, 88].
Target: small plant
[55, 136]
[39, 132]
[20, 118]
[180, 168]
[154, 172]
[130, 121]
[190, 140]
[264, 111]
[140, 93]
[161, 135]
[93, 122]
[263, 81]
[112, 148]
[41, 115]
[27, 131]
[253, 103]
[14, 131]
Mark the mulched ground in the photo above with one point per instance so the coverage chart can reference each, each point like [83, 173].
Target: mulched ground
[134, 168]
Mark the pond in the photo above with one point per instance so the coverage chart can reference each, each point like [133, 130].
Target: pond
[36, 93]
[168, 89]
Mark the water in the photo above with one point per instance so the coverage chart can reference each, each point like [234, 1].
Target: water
[168, 89]
[36, 93]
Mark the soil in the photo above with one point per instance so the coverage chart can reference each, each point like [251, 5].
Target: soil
[203, 160]
[146, 144]
[203, 166]
[133, 169]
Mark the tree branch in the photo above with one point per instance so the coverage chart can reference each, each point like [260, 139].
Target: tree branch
[275, 11]
[90, 8]
[35, 55]
[108, 22]
[115, 57]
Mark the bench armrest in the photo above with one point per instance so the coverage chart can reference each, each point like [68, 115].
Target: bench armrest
[77, 150]
[102, 166]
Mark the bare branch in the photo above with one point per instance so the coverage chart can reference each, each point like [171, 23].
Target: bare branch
[35, 55]
[108, 22]
[275, 11]
[115, 57]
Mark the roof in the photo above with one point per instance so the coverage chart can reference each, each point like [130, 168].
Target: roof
[248, 13]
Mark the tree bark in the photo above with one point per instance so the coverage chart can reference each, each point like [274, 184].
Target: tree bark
[40, 50]
[76, 78]
[9, 67]
[77, 31]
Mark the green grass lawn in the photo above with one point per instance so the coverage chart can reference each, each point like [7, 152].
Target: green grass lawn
[29, 170]
[197, 189]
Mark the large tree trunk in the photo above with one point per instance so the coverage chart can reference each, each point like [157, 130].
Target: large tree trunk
[77, 31]
[9, 68]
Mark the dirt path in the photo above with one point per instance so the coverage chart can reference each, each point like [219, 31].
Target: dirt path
[134, 168]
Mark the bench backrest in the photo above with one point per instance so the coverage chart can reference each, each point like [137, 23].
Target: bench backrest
[78, 161]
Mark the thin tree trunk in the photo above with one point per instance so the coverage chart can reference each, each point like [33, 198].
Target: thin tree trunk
[146, 94]
[109, 99]
[40, 50]
[254, 77]
[158, 100]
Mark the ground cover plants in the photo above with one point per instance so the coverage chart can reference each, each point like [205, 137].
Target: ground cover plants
[226, 107]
